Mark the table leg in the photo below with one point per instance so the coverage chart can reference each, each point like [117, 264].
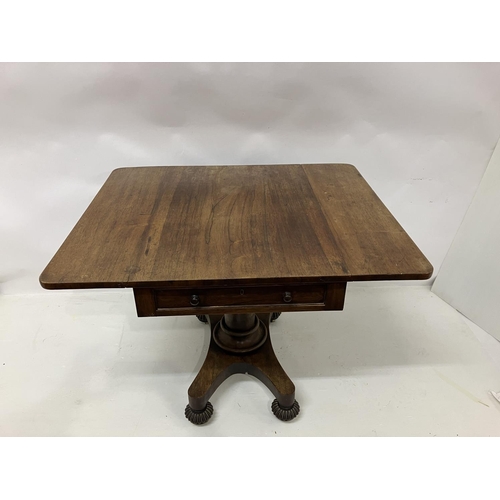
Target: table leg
[240, 343]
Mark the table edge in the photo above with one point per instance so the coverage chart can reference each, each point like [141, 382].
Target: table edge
[50, 285]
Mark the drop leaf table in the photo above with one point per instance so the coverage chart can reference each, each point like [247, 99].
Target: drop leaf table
[235, 246]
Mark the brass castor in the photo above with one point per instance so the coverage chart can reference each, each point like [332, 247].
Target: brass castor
[285, 414]
[199, 417]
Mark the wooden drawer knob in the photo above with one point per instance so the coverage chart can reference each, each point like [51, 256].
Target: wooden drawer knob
[195, 300]
[287, 297]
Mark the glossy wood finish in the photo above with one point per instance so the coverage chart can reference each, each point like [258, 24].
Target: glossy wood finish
[284, 298]
[220, 364]
[237, 296]
[169, 227]
[240, 241]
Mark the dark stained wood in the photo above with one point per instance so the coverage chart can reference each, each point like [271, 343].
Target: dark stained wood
[372, 243]
[220, 364]
[237, 296]
[335, 296]
[145, 302]
[168, 227]
[268, 308]
[250, 299]
[246, 242]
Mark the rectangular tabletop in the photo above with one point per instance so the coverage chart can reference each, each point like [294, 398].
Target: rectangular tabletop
[213, 225]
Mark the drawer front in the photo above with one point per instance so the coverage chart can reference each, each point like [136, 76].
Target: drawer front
[243, 299]
[239, 296]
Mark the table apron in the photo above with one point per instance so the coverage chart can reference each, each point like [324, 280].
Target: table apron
[239, 299]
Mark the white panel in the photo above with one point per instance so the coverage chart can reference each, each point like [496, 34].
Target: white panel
[469, 279]
[421, 134]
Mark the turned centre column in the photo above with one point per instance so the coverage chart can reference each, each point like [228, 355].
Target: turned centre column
[240, 333]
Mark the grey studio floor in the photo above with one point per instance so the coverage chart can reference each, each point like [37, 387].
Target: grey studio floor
[398, 361]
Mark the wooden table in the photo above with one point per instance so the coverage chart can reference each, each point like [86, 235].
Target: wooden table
[236, 246]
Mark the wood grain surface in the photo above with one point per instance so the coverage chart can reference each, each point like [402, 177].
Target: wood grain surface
[223, 300]
[230, 225]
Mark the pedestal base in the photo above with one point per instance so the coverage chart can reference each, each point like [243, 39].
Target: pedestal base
[256, 357]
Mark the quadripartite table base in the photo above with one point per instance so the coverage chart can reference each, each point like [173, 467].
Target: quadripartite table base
[239, 318]
[240, 343]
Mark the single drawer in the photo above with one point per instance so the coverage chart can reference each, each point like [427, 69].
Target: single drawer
[239, 296]
[241, 299]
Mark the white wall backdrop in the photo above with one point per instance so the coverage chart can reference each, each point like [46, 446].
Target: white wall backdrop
[421, 134]
[469, 279]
